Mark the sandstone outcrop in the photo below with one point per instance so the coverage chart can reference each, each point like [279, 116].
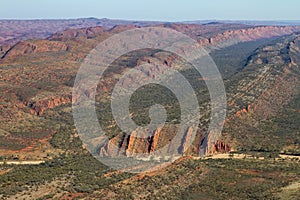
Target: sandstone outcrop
[137, 143]
[39, 107]
[220, 147]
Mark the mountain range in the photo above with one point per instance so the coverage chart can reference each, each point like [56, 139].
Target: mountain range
[259, 63]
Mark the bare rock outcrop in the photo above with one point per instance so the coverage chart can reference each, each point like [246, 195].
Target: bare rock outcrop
[39, 107]
[138, 143]
[220, 147]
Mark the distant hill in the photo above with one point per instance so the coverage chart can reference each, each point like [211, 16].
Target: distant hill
[13, 31]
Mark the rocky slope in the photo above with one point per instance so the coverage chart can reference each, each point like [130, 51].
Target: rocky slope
[264, 97]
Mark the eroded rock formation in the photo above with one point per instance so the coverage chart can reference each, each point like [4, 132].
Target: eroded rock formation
[138, 143]
[39, 107]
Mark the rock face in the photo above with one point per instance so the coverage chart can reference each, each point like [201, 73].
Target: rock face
[138, 143]
[187, 140]
[41, 46]
[213, 144]
[220, 147]
[39, 107]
